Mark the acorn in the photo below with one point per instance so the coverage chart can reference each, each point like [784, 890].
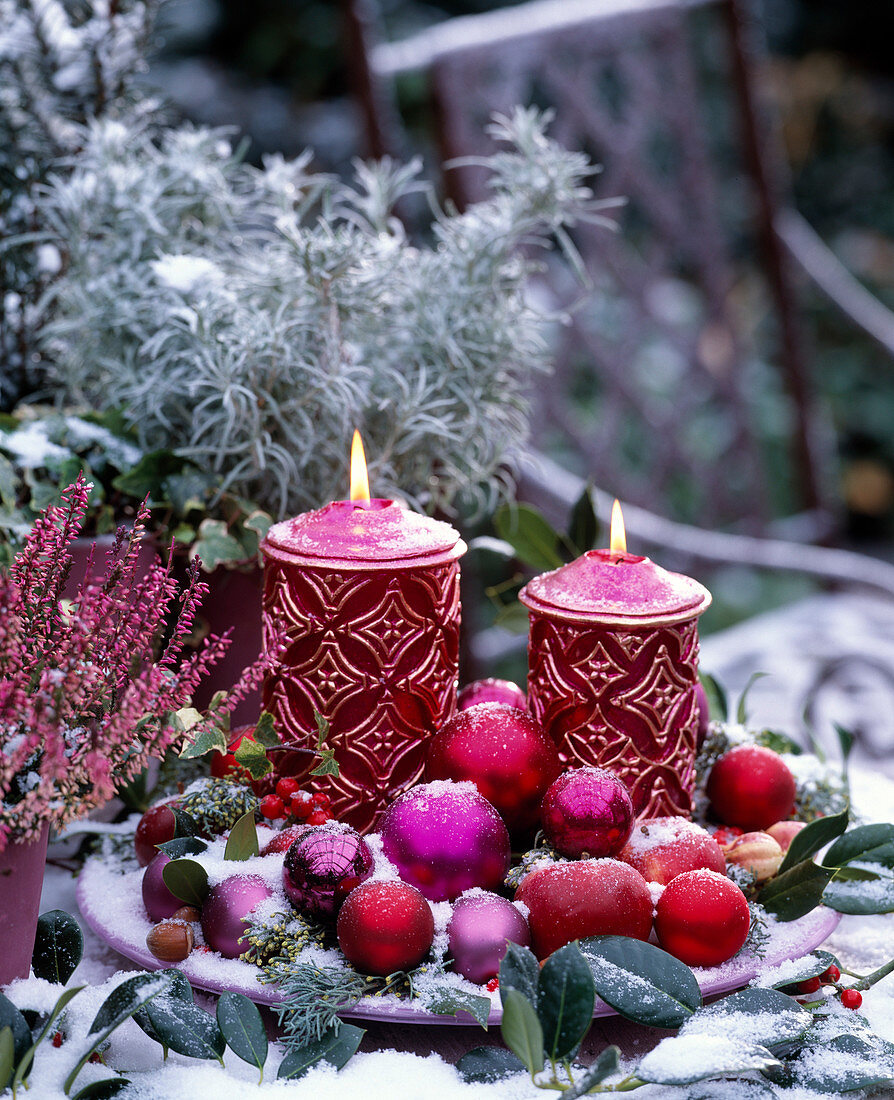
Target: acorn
[171, 940]
[757, 852]
[188, 913]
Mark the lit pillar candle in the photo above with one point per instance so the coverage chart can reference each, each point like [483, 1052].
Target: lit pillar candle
[366, 594]
[613, 664]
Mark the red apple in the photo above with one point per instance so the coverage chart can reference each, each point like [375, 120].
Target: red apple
[156, 826]
[784, 832]
[702, 918]
[752, 787]
[592, 897]
[664, 847]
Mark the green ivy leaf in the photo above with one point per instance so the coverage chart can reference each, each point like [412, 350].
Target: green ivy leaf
[186, 1029]
[774, 1017]
[860, 844]
[521, 1030]
[210, 738]
[814, 836]
[242, 843]
[488, 1064]
[336, 1047]
[861, 891]
[642, 982]
[216, 546]
[534, 541]
[102, 1090]
[241, 1025]
[565, 999]
[148, 474]
[450, 1002]
[795, 892]
[253, 757]
[186, 880]
[605, 1065]
[58, 946]
[259, 522]
[676, 1060]
[520, 970]
[265, 731]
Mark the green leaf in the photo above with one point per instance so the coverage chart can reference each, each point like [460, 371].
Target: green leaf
[718, 702]
[521, 1030]
[24, 1066]
[122, 1002]
[184, 824]
[861, 891]
[328, 764]
[605, 1065]
[684, 1059]
[520, 970]
[242, 843]
[265, 731]
[184, 1028]
[565, 1000]
[102, 1090]
[7, 1056]
[488, 1064]
[216, 546]
[450, 1002]
[795, 892]
[534, 541]
[148, 474]
[179, 988]
[253, 757]
[842, 1075]
[741, 711]
[186, 880]
[259, 522]
[183, 846]
[778, 742]
[58, 946]
[858, 844]
[774, 1017]
[814, 836]
[583, 527]
[12, 1020]
[336, 1047]
[241, 1025]
[809, 966]
[210, 738]
[642, 982]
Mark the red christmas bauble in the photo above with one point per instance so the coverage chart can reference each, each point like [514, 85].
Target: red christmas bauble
[323, 866]
[751, 787]
[702, 918]
[594, 897]
[664, 847]
[505, 752]
[491, 691]
[156, 826]
[384, 927]
[587, 813]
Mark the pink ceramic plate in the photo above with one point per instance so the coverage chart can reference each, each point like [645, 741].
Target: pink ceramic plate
[112, 906]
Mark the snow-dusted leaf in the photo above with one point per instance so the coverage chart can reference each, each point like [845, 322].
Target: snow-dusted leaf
[488, 1064]
[763, 1016]
[450, 1002]
[683, 1059]
[642, 982]
[58, 946]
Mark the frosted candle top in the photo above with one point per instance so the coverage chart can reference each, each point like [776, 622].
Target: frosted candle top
[374, 531]
[616, 588]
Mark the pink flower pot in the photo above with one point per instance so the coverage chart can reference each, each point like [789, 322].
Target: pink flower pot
[21, 878]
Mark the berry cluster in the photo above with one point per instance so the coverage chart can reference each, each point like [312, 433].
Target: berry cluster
[289, 800]
[850, 998]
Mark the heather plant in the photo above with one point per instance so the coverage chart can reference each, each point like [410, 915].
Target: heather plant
[87, 690]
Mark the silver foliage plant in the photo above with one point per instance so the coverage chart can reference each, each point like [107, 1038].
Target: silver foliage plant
[251, 318]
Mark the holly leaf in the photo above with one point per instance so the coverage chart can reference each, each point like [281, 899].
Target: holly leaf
[795, 892]
[336, 1047]
[242, 843]
[182, 846]
[718, 702]
[605, 1065]
[13, 1022]
[186, 880]
[741, 709]
[583, 528]
[58, 946]
[814, 836]
[520, 970]
[847, 1074]
[684, 1059]
[102, 1090]
[861, 890]
[184, 823]
[810, 966]
[253, 757]
[773, 1018]
[242, 1027]
[185, 1028]
[861, 844]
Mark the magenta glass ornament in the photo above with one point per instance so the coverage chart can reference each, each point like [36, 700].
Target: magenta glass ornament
[587, 814]
[367, 596]
[322, 867]
[491, 690]
[159, 901]
[613, 664]
[481, 926]
[444, 838]
[225, 909]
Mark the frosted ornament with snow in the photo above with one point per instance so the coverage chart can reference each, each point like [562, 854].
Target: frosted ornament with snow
[385, 926]
[702, 918]
[225, 909]
[664, 847]
[587, 813]
[323, 866]
[480, 928]
[752, 787]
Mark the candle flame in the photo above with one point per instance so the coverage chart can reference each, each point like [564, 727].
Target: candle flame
[359, 478]
[618, 542]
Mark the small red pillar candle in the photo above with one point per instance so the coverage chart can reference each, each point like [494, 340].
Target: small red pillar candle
[367, 596]
[613, 664]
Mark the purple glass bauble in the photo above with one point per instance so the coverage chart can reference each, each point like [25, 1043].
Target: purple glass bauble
[323, 866]
[159, 901]
[225, 907]
[587, 814]
[491, 691]
[444, 838]
[479, 929]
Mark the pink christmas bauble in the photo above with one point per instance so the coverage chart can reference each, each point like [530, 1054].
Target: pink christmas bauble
[445, 838]
[491, 691]
[323, 866]
[225, 908]
[587, 813]
[480, 927]
[159, 901]
[505, 752]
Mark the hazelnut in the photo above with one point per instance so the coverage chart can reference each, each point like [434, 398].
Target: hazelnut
[188, 913]
[171, 940]
[757, 852]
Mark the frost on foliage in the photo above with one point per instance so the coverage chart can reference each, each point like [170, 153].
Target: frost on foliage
[250, 318]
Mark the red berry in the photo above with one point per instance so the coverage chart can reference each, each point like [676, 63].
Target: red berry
[57, 1039]
[726, 834]
[751, 787]
[851, 998]
[286, 787]
[272, 807]
[321, 801]
[301, 804]
[702, 918]
[831, 975]
[319, 817]
[809, 985]
[493, 985]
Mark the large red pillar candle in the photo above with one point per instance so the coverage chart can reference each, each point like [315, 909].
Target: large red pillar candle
[366, 595]
[613, 664]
